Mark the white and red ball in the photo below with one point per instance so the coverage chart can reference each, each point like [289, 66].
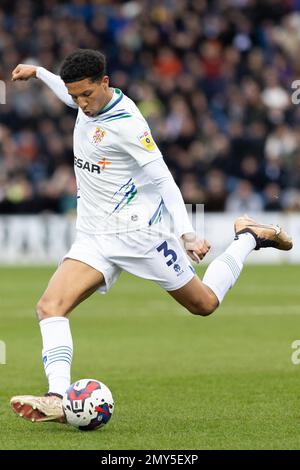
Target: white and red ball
[88, 404]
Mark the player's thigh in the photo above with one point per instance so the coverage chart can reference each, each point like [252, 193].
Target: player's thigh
[71, 283]
[196, 297]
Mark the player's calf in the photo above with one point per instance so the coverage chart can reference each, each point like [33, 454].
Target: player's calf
[198, 308]
[203, 307]
[196, 297]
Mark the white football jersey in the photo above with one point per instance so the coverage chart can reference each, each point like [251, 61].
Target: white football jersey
[110, 149]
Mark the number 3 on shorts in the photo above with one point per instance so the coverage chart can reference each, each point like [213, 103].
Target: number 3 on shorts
[167, 252]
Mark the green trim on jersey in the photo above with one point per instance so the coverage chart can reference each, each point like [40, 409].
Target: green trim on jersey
[120, 117]
[132, 195]
[157, 218]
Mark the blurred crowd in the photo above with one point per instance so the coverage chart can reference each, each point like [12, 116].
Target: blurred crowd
[213, 79]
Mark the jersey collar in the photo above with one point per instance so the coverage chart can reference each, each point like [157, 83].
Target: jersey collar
[117, 96]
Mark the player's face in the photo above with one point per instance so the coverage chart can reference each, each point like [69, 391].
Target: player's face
[90, 96]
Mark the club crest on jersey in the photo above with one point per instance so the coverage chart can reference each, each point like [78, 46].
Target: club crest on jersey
[147, 141]
[98, 135]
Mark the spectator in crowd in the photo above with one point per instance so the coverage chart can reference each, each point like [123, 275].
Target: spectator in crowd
[244, 199]
[213, 79]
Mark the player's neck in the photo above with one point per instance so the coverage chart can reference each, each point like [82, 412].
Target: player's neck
[109, 97]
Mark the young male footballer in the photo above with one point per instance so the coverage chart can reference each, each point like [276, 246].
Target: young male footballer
[125, 196]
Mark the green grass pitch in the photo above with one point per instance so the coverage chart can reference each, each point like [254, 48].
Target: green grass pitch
[179, 381]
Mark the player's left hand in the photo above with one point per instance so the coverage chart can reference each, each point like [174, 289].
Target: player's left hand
[195, 247]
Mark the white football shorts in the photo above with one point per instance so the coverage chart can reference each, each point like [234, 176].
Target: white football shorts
[150, 253]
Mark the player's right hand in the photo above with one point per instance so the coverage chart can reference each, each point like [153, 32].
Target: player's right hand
[195, 247]
[24, 72]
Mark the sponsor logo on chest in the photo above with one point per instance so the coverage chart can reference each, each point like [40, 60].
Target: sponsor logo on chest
[91, 167]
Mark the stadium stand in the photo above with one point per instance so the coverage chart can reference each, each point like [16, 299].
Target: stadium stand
[213, 79]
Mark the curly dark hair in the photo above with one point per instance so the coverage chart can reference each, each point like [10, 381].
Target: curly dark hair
[83, 63]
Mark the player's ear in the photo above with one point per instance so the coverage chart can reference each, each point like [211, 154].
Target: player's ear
[105, 81]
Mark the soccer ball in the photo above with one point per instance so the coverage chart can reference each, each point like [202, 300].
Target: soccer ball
[88, 404]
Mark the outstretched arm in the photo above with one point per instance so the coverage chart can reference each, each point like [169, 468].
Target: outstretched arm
[136, 140]
[158, 172]
[54, 82]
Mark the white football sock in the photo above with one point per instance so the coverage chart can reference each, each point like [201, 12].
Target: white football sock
[223, 272]
[57, 353]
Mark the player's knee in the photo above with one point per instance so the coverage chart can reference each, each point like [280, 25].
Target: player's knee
[203, 308]
[47, 308]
